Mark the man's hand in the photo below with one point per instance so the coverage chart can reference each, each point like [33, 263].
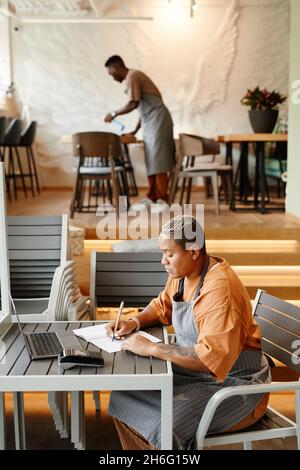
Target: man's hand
[138, 345]
[128, 138]
[108, 118]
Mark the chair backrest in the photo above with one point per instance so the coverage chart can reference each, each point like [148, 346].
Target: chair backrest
[13, 133]
[96, 144]
[28, 135]
[279, 323]
[37, 246]
[135, 278]
[190, 145]
[195, 145]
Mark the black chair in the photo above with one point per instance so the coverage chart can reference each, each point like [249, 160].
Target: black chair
[3, 125]
[276, 164]
[15, 170]
[26, 141]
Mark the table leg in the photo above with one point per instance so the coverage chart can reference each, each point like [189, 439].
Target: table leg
[262, 180]
[77, 420]
[167, 413]
[297, 406]
[2, 422]
[228, 153]
[245, 188]
[19, 421]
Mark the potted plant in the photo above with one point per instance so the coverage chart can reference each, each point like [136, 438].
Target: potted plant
[264, 108]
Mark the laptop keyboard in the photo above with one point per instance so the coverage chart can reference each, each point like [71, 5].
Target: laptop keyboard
[45, 344]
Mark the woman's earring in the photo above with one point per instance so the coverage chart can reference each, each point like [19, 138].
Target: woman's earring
[194, 258]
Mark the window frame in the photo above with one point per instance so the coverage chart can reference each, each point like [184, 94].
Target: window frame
[5, 312]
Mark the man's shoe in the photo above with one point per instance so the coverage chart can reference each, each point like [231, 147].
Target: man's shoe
[159, 206]
[140, 206]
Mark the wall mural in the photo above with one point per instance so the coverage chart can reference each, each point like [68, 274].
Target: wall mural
[202, 66]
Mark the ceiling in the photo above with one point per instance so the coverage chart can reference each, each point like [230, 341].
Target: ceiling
[39, 11]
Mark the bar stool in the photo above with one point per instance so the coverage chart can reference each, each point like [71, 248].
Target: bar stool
[10, 142]
[3, 125]
[26, 141]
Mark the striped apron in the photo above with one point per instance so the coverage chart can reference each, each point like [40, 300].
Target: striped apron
[157, 128]
[192, 390]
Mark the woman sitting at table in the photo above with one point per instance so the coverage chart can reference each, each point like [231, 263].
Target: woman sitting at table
[217, 345]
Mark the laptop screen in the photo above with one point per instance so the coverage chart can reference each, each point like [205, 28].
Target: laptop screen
[18, 319]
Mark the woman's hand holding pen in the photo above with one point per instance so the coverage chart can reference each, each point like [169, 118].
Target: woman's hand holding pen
[125, 327]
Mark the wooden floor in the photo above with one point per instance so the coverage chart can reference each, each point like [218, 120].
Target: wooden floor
[253, 242]
[100, 431]
[228, 225]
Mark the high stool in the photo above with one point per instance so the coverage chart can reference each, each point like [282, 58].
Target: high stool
[10, 142]
[3, 125]
[26, 141]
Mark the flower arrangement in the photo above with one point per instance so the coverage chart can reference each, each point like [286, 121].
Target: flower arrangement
[262, 99]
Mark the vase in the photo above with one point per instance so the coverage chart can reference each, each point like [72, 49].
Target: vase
[263, 120]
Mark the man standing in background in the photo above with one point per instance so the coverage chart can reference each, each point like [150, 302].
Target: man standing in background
[155, 121]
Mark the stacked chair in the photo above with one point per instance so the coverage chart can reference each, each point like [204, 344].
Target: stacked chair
[39, 270]
[66, 301]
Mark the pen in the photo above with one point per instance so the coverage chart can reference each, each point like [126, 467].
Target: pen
[118, 319]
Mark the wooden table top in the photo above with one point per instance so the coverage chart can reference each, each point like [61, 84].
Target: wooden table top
[126, 139]
[252, 138]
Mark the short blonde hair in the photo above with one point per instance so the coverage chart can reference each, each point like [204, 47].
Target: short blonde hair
[186, 232]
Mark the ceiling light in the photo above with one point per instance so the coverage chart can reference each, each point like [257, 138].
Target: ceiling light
[194, 7]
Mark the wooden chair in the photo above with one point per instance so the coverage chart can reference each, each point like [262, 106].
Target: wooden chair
[279, 322]
[98, 153]
[192, 146]
[135, 278]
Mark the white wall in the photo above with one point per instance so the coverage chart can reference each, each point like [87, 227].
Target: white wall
[293, 193]
[5, 65]
[202, 65]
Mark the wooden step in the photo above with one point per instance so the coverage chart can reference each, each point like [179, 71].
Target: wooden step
[256, 252]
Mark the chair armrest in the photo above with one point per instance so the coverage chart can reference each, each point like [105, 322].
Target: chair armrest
[227, 392]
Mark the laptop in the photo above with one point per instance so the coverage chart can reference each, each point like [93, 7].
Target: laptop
[40, 345]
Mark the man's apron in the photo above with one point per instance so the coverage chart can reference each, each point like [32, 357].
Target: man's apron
[192, 390]
[157, 128]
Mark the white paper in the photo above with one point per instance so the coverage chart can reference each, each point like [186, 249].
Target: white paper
[97, 335]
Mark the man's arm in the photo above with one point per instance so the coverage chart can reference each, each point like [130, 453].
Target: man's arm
[130, 106]
[138, 126]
